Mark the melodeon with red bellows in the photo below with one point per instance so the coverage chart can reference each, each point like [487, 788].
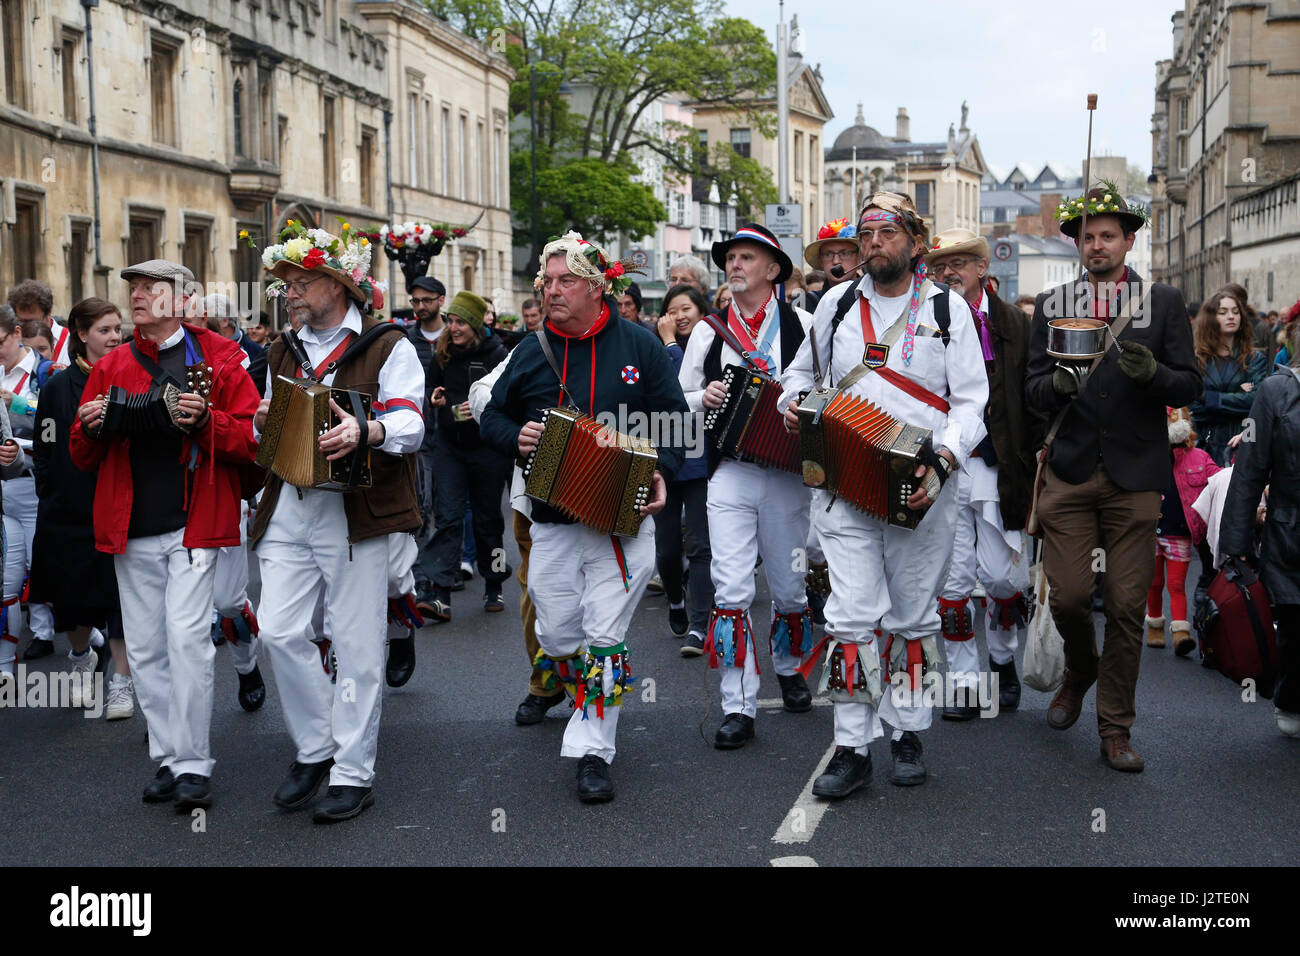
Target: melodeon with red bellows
[589, 472]
[749, 426]
[861, 454]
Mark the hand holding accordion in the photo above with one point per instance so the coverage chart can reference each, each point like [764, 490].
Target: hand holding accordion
[162, 408]
[301, 414]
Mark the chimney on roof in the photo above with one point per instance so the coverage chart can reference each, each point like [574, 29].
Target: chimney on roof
[902, 126]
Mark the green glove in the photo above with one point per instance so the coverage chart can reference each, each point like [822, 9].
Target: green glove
[1137, 362]
[1063, 383]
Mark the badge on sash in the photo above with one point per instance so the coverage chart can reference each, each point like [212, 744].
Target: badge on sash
[875, 355]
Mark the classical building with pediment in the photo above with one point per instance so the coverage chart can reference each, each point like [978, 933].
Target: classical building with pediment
[943, 178]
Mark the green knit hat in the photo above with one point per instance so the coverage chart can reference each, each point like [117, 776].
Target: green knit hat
[470, 307]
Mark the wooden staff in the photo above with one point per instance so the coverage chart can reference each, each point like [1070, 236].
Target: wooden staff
[1087, 173]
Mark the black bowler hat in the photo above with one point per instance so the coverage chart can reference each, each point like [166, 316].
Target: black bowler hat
[753, 232]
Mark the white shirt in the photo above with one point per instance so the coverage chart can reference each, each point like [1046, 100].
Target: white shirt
[691, 375]
[480, 393]
[62, 339]
[954, 373]
[22, 372]
[401, 377]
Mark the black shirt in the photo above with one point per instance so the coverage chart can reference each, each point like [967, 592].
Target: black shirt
[157, 474]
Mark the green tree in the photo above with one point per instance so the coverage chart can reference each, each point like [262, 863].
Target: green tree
[614, 59]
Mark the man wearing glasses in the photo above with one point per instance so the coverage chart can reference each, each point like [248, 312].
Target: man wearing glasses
[427, 297]
[918, 343]
[834, 251]
[993, 489]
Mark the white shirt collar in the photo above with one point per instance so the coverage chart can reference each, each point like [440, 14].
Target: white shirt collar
[351, 322]
[983, 304]
[173, 339]
[27, 363]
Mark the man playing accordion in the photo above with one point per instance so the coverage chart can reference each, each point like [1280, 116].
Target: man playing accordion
[912, 350]
[584, 583]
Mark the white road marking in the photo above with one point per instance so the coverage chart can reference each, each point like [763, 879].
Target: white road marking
[793, 861]
[801, 822]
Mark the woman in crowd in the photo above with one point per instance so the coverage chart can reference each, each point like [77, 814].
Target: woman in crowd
[67, 571]
[689, 603]
[1272, 460]
[722, 299]
[464, 468]
[1232, 369]
[38, 337]
[23, 374]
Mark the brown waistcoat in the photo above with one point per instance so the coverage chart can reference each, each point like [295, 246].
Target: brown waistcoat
[390, 504]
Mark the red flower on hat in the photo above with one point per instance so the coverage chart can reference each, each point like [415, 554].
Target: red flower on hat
[439, 234]
[377, 297]
[313, 259]
[614, 271]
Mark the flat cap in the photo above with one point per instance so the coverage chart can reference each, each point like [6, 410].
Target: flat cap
[159, 269]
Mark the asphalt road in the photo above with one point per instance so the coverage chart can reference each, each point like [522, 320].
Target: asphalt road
[460, 784]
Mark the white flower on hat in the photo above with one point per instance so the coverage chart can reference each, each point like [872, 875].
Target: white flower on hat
[270, 253]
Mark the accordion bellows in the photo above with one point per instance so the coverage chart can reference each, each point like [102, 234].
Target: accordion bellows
[861, 454]
[590, 473]
[299, 414]
[749, 426]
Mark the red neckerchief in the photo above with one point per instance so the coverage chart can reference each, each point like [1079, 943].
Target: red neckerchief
[1100, 307]
[334, 356]
[746, 330]
[596, 327]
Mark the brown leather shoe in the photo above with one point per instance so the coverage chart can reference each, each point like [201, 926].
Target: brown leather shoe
[1068, 702]
[1120, 755]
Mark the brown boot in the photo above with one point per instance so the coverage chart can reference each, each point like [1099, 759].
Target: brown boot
[1184, 643]
[1068, 702]
[1120, 755]
[1155, 632]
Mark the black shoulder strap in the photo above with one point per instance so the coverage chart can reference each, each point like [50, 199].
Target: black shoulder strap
[555, 365]
[363, 342]
[792, 333]
[942, 317]
[713, 360]
[841, 309]
[155, 370]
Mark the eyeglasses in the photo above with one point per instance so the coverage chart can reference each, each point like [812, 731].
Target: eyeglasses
[299, 286]
[425, 301]
[826, 255]
[887, 233]
[956, 264]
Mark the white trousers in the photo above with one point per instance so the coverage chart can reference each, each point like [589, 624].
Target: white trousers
[1000, 558]
[20, 504]
[230, 593]
[886, 578]
[753, 511]
[577, 588]
[165, 591]
[305, 556]
[402, 552]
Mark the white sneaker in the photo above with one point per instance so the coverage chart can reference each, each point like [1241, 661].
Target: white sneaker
[1287, 722]
[81, 689]
[121, 702]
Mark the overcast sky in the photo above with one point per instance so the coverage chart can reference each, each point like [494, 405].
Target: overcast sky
[1024, 68]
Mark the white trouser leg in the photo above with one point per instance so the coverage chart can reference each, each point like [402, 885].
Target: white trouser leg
[1004, 569]
[962, 656]
[782, 533]
[171, 652]
[244, 655]
[402, 552]
[856, 725]
[740, 688]
[733, 498]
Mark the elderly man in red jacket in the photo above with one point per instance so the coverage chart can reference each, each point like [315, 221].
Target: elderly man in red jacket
[167, 498]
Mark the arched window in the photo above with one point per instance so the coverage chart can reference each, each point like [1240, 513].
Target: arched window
[237, 103]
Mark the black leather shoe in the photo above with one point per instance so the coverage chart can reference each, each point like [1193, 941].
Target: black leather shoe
[401, 660]
[594, 785]
[795, 695]
[908, 769]
[533, 709]
[38, 648]
[252, 690]
[302, 783]
[162, 788]
[846, 771]
[1008, 684]
[678, 621]
[965, 706]
[735, 732]
[193, 790]
[342, 803]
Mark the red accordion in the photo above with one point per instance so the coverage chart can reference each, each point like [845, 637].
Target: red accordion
[862, 454]
[589, 472]
[749, 425]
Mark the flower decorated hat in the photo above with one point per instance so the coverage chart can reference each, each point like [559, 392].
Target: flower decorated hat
[1102, 200]
[345, 257]
[837, 230]
[587, 261]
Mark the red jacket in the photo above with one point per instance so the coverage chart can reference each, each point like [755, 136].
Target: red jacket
[224, 443]
[1193, 468]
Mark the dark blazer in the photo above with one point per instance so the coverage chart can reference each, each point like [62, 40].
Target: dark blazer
[1015, 429]
[1272, 459]
[1114, 421]
[424, 349]
[464, 367]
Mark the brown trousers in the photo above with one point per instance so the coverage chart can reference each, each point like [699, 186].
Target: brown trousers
[527, 612]
[1091, 527]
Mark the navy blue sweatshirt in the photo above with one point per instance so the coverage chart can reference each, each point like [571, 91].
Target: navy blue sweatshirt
[632, 374]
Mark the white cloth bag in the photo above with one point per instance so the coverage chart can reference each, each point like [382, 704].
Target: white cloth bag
[1044, 665]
